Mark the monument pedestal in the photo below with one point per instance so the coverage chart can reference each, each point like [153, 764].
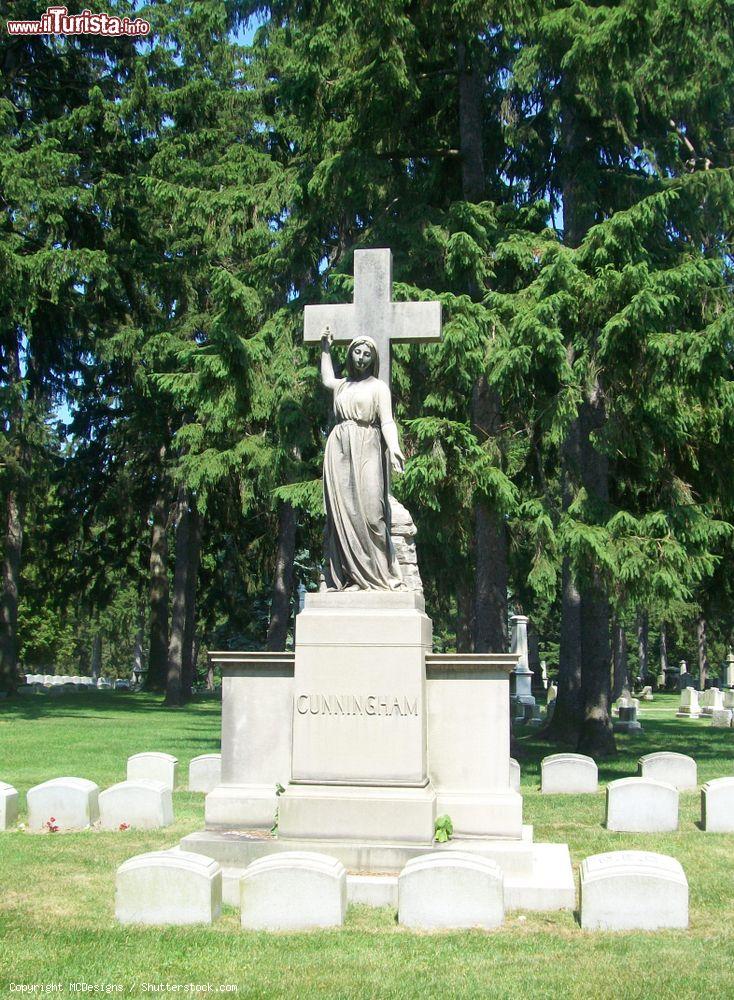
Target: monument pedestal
[329, 812]
[372, 736]
[359, 768]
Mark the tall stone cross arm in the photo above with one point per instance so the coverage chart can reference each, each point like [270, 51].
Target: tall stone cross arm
[373, 313]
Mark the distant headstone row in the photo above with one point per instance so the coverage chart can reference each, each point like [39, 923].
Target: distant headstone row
[445, 889]
[144, 801]
[713, 703]
[63, 682]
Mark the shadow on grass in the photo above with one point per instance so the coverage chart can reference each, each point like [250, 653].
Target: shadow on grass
[79, 705]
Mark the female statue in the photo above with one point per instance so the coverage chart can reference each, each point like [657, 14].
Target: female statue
[358, 550]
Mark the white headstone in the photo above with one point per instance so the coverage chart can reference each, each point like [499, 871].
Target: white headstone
[640, 805]
[8, 806]
[450, 889]
[67, 803]
[168, 887]
[633, 890]
[552, 694]
[689, 704]
[205, 772]
[711, 701]
[293, 890]
[156, 766]
[721, 718]
[673, 768]
[717, 806]
[570, 773]
[514, 775]
[141, 804]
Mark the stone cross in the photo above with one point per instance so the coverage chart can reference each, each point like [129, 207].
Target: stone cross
[373, 313]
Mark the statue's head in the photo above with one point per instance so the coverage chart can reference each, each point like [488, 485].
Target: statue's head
[363, 358]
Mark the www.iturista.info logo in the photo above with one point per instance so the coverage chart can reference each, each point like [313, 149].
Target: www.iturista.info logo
[58, 21]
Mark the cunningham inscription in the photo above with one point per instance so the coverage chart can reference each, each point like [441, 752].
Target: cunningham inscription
[353, 704]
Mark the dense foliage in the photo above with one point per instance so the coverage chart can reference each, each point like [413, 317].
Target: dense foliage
[558, 173]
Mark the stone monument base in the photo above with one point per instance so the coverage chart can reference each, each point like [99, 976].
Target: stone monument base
[536, 876]
[334, 812]
[369, 737]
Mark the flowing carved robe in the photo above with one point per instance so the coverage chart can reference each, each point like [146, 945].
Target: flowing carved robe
[357, 544]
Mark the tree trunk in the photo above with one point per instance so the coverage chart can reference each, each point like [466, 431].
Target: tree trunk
[490, 594]
[620, 670]
[663, 651]
[534, 657]
[174, 672]
[464, 617]
[188, 667]
[565, 724]
[9, 678]
[703, 659]
[138, 655]
[579, 192]
[597, 735]
[490, 533]
[14, 517]
[97, 653]
[280, 605]
[471, 94]
[643, 633]
[158, 646]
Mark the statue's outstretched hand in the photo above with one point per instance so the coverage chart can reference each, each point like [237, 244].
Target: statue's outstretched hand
[397, 460]
[327, 337]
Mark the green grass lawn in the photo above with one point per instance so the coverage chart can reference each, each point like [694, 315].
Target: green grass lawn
[57, 890]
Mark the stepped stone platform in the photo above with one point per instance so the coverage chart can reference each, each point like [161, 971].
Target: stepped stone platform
[536, 876]
[372, 736]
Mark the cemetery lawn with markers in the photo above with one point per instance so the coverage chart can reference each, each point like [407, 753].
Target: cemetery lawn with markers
[57, 890]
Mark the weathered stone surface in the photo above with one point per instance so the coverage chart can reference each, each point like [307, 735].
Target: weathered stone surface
[8, 806]
[141, 804]
[469, 740]
[569, 773]
[205, 772]
[689, 704]
[450, 889]
[673, 768]
[711, 701]
[514, 775]
[168, 887]
[153, 766]
[641, 805]
[257, 714]
[293, 890]
[627, 722]
[721, 718]
[633, 890]
[72, 804]
[717, 806]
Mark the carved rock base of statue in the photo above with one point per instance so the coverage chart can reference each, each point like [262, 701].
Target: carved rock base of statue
[403, 532]
[373, 736]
